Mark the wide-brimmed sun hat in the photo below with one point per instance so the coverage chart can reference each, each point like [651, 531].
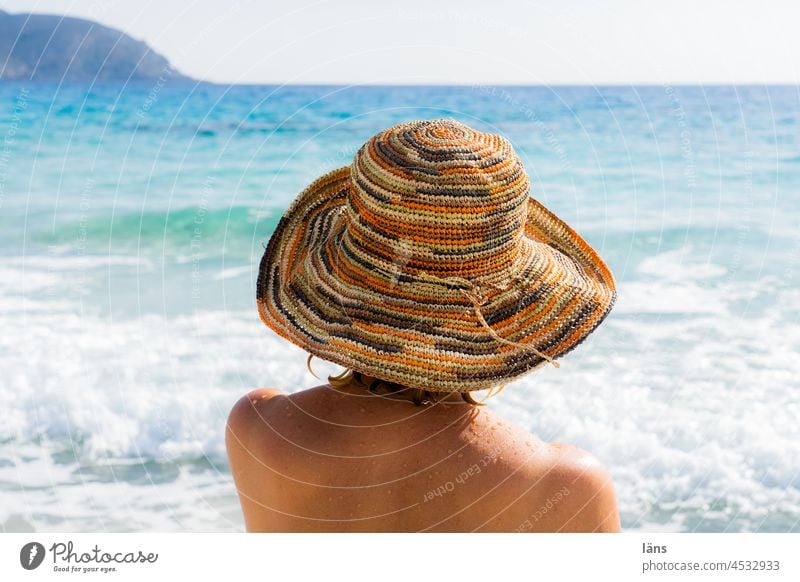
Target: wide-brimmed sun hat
[426, 263]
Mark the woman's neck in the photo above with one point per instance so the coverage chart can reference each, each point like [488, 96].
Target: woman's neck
[370, 387]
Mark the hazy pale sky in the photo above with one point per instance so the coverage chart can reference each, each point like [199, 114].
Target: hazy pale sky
[464, 41]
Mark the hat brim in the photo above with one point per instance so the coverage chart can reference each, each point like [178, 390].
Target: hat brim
[425, 333]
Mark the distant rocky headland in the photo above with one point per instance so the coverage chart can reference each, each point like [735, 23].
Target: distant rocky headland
[44, 47]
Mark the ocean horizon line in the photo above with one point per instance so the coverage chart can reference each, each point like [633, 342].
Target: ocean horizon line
[198, 82]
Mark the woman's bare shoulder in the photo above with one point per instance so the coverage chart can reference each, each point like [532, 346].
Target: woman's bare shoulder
[583, 497]
[256, 416]
[248, 407]
[249, 414]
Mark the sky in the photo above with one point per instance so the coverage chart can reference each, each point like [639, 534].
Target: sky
[459, 42]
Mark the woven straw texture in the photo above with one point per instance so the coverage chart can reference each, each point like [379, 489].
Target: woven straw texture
[426, 263]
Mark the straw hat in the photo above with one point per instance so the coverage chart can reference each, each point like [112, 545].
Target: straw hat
[426, 263]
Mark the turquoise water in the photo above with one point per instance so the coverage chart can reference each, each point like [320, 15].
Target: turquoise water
[131, 223]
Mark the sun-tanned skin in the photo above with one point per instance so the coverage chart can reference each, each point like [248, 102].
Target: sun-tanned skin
[343, 459]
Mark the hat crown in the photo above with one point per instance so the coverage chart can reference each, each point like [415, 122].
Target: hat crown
[438, 196]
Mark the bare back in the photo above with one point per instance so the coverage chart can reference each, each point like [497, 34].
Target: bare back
[328, 459]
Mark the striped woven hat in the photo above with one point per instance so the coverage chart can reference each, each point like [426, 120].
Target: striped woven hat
[426, 263]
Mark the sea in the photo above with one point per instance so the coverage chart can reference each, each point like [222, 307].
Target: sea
[132, 219]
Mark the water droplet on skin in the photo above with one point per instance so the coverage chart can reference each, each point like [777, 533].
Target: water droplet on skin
[460, 455]
[363, 409]
[405, 464]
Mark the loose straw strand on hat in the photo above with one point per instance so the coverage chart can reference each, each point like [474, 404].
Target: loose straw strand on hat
[472, 292]
[479, 314]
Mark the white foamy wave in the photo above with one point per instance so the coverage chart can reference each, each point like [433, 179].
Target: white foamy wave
[120, 426]
[16, 279]
[60, 262]
[676, 282]
[232, 272]
[150, 387]
[679, 265]
[35, 276]
[112, 495]
[669, 298]
[25, 305]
